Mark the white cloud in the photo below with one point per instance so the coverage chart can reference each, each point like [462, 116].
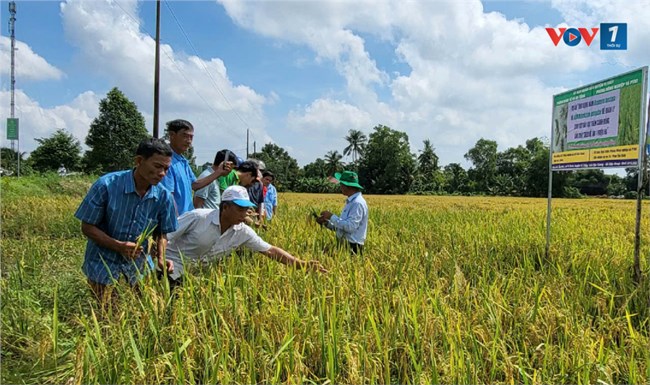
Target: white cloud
[110, 40]
[321, 126]
[469, 74]
[473, 74]
[38, 122]
[636, 13]
[29, 65]
[325, 117]
[326, 27]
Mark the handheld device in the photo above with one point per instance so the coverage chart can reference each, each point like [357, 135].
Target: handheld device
[225, 159]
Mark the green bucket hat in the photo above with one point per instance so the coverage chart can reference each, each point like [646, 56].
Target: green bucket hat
[348, 178]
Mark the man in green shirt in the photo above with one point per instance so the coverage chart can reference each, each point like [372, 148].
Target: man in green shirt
[244, 175]
[209, 197]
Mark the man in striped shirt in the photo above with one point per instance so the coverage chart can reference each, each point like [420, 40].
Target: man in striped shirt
[119, 207]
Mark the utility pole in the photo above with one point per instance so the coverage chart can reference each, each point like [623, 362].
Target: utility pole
[156, 81]
[12, 22]
[247, 143]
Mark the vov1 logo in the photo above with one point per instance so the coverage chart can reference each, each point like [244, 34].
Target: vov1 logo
[613, 36]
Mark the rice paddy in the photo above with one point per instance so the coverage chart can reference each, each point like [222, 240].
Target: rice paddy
[449, 290]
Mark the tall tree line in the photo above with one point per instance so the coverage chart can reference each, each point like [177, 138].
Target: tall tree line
[383, 159]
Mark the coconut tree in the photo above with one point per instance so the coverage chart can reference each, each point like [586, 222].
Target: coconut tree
[333, 162]
[356, 142]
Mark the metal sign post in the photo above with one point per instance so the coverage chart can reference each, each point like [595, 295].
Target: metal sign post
[602, 125]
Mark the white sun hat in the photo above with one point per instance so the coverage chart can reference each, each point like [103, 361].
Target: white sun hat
[238, 195]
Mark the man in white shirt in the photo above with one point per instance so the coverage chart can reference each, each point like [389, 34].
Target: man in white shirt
[205, 234]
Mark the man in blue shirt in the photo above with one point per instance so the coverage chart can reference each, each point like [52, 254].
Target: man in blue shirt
[271, 198]
[256, 192]
[351, 227]
[180, 179]
[119, 207]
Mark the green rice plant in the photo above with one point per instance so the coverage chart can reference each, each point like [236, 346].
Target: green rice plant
[449, 290]
[55, 326]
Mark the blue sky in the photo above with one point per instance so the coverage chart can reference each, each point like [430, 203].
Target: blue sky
[302, 73]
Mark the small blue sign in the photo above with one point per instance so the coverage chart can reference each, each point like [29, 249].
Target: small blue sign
[613, 36]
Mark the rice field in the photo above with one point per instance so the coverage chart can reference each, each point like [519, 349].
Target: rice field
[449, 290]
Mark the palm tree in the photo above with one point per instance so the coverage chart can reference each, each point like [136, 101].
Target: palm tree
[356, 143]
[333, 162]
[428, 160]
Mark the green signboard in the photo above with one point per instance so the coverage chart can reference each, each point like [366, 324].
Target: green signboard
[12, 128]
[601, 124]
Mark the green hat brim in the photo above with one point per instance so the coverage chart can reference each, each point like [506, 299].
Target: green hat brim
[337, 176]
[357, 185]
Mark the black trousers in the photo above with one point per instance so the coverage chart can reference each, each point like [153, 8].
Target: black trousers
[356, 248]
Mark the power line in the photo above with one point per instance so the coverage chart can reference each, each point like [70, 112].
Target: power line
[177, 67]
[214, 82]
[167, 53]
[194, 88]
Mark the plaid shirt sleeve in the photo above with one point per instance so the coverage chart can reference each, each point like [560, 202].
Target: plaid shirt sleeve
[93, 207]
[167, 216]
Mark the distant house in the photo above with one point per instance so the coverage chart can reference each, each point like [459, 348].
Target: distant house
[5, 172]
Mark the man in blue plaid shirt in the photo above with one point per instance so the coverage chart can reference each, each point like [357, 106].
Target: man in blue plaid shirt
[119, 207]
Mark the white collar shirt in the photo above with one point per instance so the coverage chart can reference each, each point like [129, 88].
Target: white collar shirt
[199, 237]
[352, 225]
